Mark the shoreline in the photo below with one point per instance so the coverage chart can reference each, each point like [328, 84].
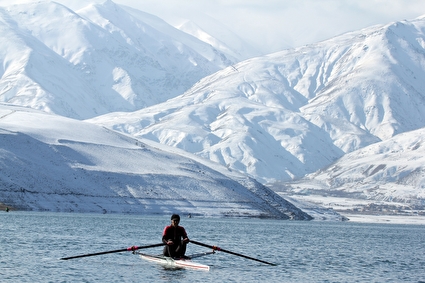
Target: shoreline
[386, 219]
[5, 208]
[353, 218]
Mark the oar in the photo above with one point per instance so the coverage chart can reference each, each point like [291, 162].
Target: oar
[229, 252]
[133, 248]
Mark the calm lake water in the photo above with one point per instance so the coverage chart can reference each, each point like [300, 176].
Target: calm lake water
[32, 243]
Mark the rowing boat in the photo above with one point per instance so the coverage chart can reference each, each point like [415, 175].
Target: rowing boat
[171, 262]
[174, 263]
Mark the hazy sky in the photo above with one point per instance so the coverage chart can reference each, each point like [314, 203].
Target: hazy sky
[273, 25]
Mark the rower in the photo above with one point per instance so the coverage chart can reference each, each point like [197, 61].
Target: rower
[175, 238]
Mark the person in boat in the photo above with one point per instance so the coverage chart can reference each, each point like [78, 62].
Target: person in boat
[175, 238]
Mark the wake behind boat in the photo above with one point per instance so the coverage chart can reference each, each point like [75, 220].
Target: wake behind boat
[180, 263]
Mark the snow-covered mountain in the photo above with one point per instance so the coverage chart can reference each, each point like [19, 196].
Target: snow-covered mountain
[386, 177]
[284, 119]
[54, 163]
[282, 116]
[212, 32]
[289, 114]
[207, 30]
[97, 60]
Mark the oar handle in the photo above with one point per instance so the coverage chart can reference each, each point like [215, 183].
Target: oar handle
[133, 248]
[230, 252]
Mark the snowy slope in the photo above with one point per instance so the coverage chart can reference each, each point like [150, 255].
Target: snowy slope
[386, 177]
[218, 35]
[53, 163]
[233, 53]
[291, 113]
[99, 59]
[277, 118]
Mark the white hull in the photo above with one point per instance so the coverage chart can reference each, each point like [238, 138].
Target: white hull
[175, 263]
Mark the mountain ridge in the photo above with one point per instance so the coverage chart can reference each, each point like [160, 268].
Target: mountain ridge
[278, 118]
[107, 58]
[292, 88]
[289, 114]
[49, 166]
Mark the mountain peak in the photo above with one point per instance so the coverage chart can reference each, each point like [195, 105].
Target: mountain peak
[101, 59]
[277, 118]
[288, 114]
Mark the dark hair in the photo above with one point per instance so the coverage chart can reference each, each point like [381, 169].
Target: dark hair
[175, 216]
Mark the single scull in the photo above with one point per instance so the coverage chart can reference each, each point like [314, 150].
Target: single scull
[170, 262]
[175, 263]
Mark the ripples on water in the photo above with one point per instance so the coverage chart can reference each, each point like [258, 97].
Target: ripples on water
[32, 243]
